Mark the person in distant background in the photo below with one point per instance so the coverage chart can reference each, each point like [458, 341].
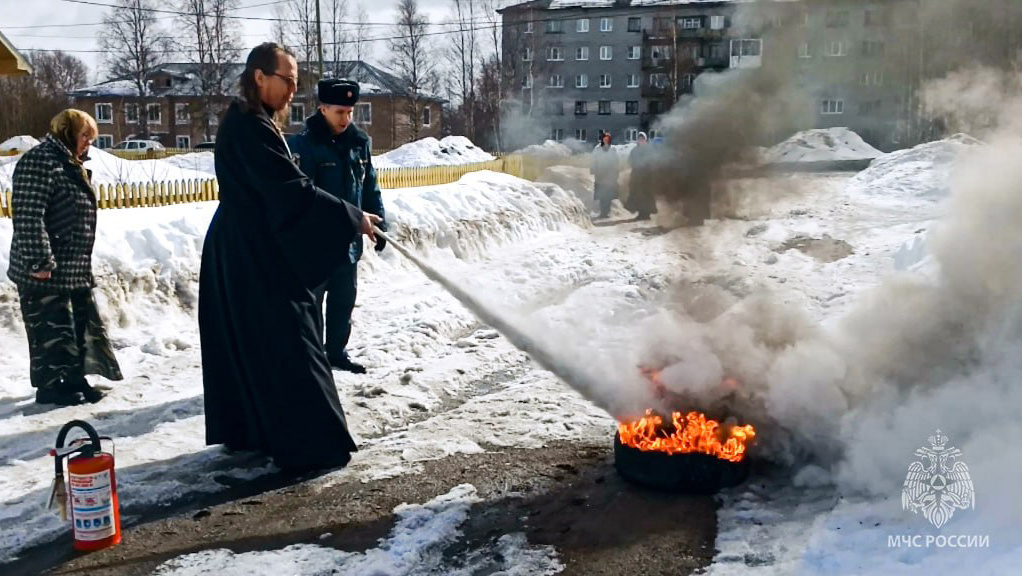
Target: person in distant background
[604, 168]
[271, 243]
[54, 213]
[335, 154]
[640, 184]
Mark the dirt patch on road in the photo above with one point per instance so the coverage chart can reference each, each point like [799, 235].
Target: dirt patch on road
[567, 496]
[824, 249]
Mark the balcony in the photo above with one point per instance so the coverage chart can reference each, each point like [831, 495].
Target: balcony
[649, 91]
[650, 64]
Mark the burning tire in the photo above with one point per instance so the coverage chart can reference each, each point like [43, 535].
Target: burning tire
[691, 472]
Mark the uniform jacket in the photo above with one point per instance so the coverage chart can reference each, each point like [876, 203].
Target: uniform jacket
[342, 166]
[54, 213]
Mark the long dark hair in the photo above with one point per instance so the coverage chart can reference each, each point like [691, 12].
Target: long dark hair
[262, 57]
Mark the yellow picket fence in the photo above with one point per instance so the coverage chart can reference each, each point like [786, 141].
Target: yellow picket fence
[147, 195]
[182, 191]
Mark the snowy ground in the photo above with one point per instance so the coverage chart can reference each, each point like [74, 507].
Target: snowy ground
[821, 145]
[440, 383]
[450, 150]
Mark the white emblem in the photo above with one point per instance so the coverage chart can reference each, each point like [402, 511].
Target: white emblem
[938, 483]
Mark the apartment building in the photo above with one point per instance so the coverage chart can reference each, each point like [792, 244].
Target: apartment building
[585, 66]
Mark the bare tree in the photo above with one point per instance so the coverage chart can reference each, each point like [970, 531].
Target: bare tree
[135, 45]
[29, 102]
[335, 32]
[211, 40]
[299, 31]
[361, 36]
[461, 57]
[411, 58]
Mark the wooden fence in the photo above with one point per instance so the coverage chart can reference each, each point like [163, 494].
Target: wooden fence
[179, 192]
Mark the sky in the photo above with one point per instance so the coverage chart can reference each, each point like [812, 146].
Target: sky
[72, 26]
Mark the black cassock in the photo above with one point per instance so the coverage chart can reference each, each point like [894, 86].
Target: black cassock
[274, 238]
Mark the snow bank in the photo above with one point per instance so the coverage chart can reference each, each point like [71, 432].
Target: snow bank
[821, 145]
[18, 144]
[414, 546]
[452, 150]
[549, 148]
[110, 169]
[920, 172]
[194, 161]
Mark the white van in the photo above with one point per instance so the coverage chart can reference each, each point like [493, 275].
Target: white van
[139, 145]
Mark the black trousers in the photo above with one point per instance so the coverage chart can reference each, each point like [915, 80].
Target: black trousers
[342, 287]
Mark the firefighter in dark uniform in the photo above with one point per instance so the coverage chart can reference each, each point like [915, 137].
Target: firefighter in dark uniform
[335, 154]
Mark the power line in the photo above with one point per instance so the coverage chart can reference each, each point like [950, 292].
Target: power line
[34, 26]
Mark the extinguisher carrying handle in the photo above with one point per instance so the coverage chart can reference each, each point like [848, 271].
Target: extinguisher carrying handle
[60, 451]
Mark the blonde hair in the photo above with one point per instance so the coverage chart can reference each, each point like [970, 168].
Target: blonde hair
[69, 124]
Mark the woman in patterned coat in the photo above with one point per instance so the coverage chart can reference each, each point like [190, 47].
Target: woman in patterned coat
[54, 213]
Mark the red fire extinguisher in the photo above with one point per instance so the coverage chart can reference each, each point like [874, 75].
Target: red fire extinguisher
[95, 513]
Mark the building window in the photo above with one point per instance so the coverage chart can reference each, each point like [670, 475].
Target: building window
[832, 107]
[687, 81]
[837, 18]
[876, 78]
[582, 25]
[606, 24]
[633, 80]
[661, 26]
[527, 54]
[104, 141]
[604, 107]
[656, 107]
[805, 51]
[872, 49]
[131, 113]
[364, 113]
[806, 19]
[582, 53]
[632, 107]
[154, 113]
[635, 24]
[690, 23]
[634, 52]
[604, 80]
[527, 81]
[528, 27]
[837, 48]
[183, 142]
[717, 50]
[580, 134]
[554, 107]
[582, 81]
[870, 107]
[581, 107]
[746, 47]
[872, 17]
[555, 81]
[631, 135]
[554, 26]
[717, 22]
[557, 134]
[555, 54]
[104, 113]
[215, 111]
[658, 80]
[181, 115]
[297, 113]
[606, 53]
[427, 116]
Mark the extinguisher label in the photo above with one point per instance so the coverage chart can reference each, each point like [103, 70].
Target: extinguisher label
[92, 505]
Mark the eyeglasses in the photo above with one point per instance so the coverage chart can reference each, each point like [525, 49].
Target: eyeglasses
[291, 80]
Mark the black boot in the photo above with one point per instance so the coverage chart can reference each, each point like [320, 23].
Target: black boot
[58, 396]
[345, 364]
[91, 394]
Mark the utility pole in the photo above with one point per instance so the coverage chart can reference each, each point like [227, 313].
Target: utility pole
[319, 40]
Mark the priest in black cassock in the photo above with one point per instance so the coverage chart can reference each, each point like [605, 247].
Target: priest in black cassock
[274, 239]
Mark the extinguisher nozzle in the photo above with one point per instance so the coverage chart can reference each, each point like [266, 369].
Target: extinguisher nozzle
[58, 496]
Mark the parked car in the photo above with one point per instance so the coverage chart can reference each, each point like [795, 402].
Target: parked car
[206, 146]
[139, 145]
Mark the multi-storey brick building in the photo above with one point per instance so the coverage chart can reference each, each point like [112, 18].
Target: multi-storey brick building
[585, 66]
[173, 111]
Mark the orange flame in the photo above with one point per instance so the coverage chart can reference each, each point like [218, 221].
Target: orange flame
[691, 432]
